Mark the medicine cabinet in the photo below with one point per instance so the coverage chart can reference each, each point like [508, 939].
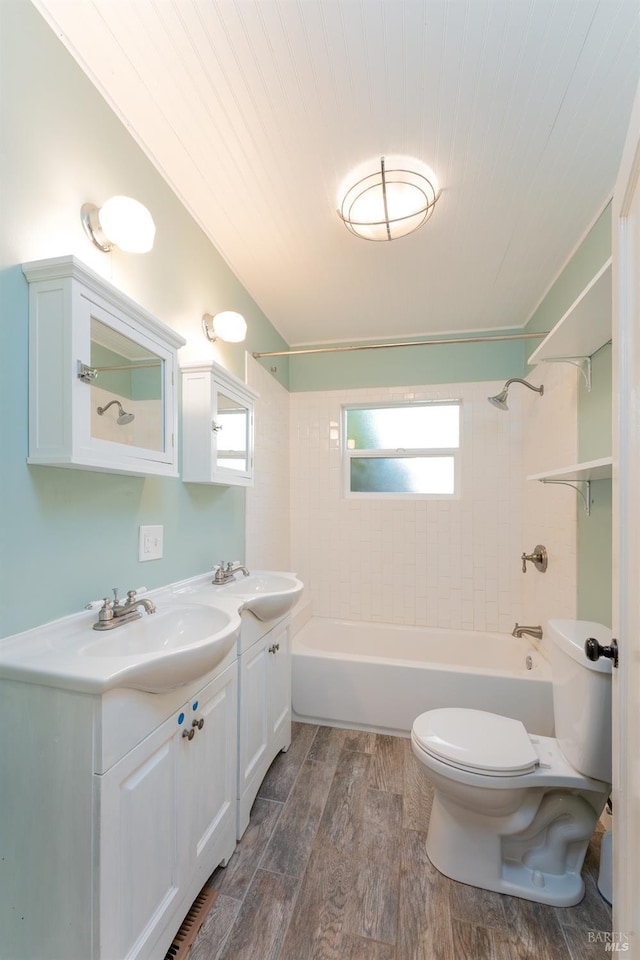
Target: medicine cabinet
[102, 375]
[217, 426]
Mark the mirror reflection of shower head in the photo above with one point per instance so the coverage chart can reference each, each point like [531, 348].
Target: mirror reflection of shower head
[123, 417]
[500, 399]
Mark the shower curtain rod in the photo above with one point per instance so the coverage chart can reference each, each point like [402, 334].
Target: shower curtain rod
[407, 343]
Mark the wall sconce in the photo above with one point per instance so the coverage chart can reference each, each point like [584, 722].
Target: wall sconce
[120, 222]
[228, 326]
[389, 199]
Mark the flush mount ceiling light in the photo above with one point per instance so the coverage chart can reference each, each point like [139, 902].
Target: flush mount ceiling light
[389, 199]
[120, 222]
[228, 326]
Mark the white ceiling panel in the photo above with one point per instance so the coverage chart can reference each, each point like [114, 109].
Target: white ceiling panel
[256, 110]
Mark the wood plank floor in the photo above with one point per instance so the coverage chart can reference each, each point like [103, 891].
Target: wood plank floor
[333, 866]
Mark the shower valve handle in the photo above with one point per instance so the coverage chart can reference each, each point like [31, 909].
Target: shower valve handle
[539, 558]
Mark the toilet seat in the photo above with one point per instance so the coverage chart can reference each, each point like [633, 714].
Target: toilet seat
[476, 741]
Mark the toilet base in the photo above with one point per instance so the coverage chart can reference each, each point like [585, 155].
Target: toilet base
[541, 862]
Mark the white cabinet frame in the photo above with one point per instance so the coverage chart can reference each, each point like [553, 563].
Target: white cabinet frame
[64, 298]
[203, 386]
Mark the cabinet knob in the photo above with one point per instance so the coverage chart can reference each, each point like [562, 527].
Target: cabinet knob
[189, 734]
[274, 648]
[197, 723]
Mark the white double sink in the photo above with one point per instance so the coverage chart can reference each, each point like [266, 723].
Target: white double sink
[195, 626]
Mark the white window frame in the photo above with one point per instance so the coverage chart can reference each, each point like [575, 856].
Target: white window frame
[401, 452]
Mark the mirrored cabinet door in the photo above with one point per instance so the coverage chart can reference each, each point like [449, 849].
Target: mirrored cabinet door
[127, 392]
[102, 375]
[217, 426]
[232, 430]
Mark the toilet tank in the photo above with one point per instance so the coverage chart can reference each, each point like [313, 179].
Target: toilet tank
[582, 697]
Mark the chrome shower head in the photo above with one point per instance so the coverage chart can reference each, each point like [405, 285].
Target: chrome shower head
[123, 417]
[500, 399]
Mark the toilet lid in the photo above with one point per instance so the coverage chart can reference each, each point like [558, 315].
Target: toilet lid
[477, 741]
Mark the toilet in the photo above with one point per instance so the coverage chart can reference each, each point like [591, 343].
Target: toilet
[513, 811]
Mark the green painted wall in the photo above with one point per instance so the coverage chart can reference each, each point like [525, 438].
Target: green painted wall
[594, 424]
[595, 531]
[594, 250]
[68, 536]
[594, 408]
[403, 366]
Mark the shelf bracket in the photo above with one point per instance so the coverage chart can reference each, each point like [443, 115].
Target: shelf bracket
[582, 363]
[582, 487]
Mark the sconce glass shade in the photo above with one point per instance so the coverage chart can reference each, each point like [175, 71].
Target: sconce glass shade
[228, 325]
[394, 200]
[120, 222]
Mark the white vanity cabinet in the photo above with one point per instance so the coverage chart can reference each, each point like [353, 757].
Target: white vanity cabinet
[113, 817]
[264, 704]
[102, 375]
[217, 426]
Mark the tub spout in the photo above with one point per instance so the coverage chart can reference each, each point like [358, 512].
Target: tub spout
[519, 630]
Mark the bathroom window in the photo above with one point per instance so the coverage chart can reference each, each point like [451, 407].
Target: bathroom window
[402, 449]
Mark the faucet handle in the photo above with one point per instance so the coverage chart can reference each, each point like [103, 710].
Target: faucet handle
[106, 611]
[539, 558]
[131, 595]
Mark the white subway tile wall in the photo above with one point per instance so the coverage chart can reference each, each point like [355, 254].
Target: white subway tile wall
[268, 514]
[421, 562]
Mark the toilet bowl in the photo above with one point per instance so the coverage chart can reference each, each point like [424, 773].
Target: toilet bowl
[512, 811]
[509, 812]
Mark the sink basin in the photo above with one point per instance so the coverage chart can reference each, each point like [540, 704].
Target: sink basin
[177, 644]
[170, 628]
[196, 625]
[268, 595]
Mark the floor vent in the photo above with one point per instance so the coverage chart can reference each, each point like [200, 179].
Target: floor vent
[191, 924]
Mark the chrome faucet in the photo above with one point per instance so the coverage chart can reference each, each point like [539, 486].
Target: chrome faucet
[113, 613]
[226, 573]
[519, 630]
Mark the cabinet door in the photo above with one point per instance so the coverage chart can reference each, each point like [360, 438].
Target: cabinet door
[254, 720]
[217, 421]
[207, 807]
[129, 383]
[279, 683]
[102, 374]
[139, 856]
[233, 431]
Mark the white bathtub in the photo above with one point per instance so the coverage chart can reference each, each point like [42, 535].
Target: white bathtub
[379, 677]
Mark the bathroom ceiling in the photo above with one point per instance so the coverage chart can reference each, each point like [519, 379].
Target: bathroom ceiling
[255, 111]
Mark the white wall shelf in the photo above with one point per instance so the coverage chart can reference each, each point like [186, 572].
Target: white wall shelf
[588, 470]
[585, 327]
[578, 476]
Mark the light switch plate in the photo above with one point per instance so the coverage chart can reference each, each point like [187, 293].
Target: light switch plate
[150, 542]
